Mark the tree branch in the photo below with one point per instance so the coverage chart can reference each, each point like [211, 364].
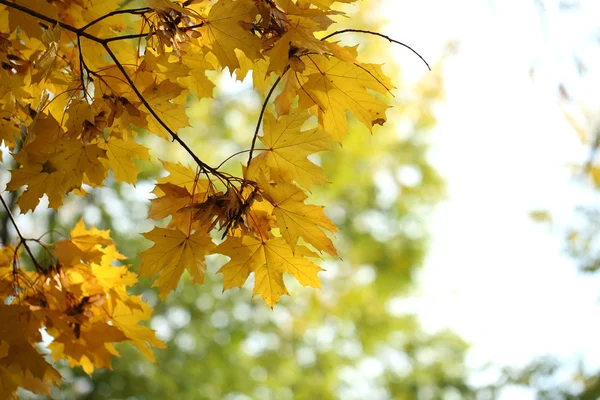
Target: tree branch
[262, 112]
[174, 135]
[380, 35]
[23, 240]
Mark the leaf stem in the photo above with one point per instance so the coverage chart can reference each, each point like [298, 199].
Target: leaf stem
[380, 35]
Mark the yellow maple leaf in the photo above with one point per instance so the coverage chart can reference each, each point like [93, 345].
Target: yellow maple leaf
[78, 159]
[223, 32]
[336, 86]
[92, 349]
[173, 252]
[84, 245]
[120, 155]
[40, 179]
[268, 260]
[260, 77]
[197, 80]
[182, 175]
[288, 147]
[296, 219]
[126, 316]
[159, 97]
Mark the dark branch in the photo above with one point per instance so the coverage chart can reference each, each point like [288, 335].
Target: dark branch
[380, 35]
[174, 135]
[262, 112]
[23, 240]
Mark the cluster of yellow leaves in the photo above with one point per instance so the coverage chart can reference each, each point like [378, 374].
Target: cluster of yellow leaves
[97, 88]
[80, 299]
[80, 79]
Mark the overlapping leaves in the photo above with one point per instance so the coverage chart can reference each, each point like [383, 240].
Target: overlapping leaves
[80, 298]
[78, 86]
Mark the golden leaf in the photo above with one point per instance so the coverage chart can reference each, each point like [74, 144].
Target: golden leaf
[268, 260]
[172, 253]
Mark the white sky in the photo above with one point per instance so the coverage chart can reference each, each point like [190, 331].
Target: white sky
[493, 275]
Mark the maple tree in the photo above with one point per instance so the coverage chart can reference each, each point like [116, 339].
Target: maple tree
[80, 80]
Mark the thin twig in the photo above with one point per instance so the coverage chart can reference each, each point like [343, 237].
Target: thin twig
[134, 11]
[380, 35]
[23, 240]
[262, 112]
[233, 155]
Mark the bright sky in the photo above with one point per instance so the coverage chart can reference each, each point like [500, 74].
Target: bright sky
[493, 275]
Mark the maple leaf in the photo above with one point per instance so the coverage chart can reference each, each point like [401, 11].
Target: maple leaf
[296, 219]
[120, 154]
[288, 147]
[299, 23]
[46, 60]
[182, 175]
[40, 179]
[223, 32]
[79, 159]
[173, 252]
[159, 97]
[126, 317]
[92, 349]
[336, 86]
[85, 245]
[172, 198]
[197, 80]
[268, 260]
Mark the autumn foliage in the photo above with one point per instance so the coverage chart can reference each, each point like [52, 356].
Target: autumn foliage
[81, 78]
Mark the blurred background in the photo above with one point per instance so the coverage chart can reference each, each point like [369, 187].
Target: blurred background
[468, 227]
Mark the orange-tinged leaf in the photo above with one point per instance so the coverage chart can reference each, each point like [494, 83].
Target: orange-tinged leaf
[173, 252]
[172, 198]
[268, 260]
